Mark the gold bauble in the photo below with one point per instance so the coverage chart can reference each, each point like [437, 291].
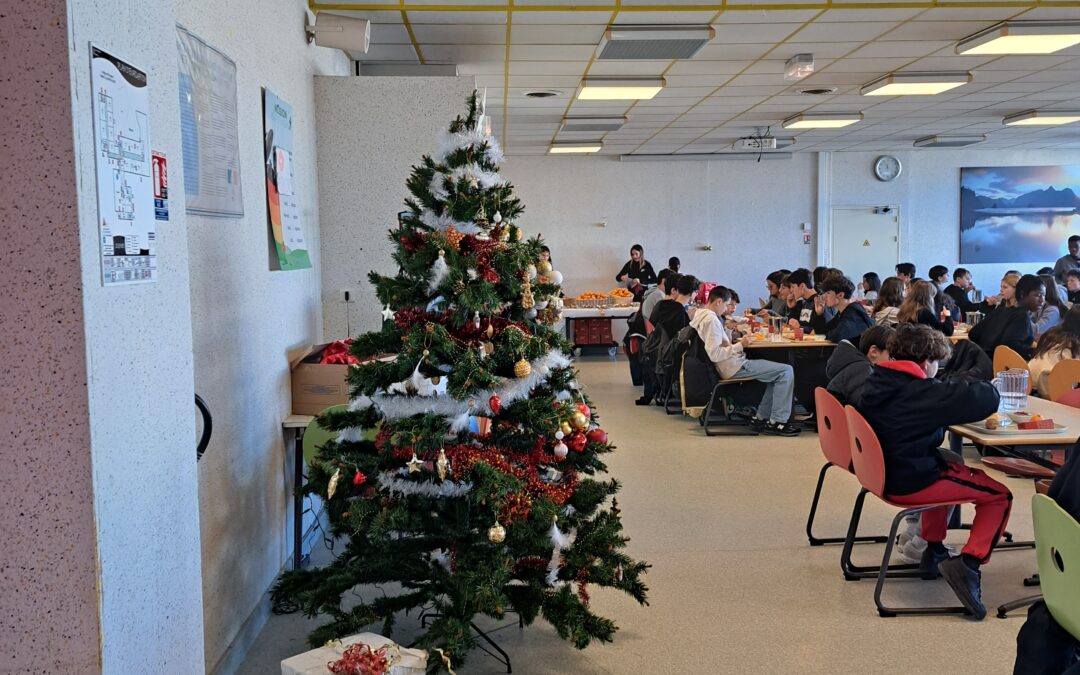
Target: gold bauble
[522, 369]
[580, 422]
[543, 267]
[565, 428]
[496, 533]
[490, 330]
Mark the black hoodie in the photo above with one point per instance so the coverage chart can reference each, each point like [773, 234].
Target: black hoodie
[1009, 326]
[671, 316]
[847, 371]
[909, 413]
[847, 325]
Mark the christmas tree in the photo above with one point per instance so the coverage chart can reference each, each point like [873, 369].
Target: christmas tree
[460, 522]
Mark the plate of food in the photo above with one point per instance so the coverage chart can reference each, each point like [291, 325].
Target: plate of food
[1001, 425]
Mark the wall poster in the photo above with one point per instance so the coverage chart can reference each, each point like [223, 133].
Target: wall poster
[282, 202]
[208, 128]
[125, 190]
[1017, 214]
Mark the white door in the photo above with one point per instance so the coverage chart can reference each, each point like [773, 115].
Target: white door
[865, 239]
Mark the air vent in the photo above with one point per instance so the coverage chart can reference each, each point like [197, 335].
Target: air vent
[650, 43]
[543, 93]
[817, 91]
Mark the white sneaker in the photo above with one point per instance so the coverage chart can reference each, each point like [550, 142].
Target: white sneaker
[910, 544]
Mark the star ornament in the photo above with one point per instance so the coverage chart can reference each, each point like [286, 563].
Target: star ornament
[388, 314]
[414, 464]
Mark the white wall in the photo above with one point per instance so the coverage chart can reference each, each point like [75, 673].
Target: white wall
[749, 212]
[138, 349]
[371, 131]
[245, 318]
[928, 192]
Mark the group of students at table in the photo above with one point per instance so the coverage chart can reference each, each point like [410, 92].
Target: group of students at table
[889, 365]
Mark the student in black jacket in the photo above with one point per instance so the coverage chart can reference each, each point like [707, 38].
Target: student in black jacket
[850, 366]
[958, 290]
[1011, 325]
[1043, 647]
[668, 317]
[637, 267]
[909, 411]
[918, 307]
[851, 318]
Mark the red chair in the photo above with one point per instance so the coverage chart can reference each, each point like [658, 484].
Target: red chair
[836, 446]
[869, 461]
[1070, 398]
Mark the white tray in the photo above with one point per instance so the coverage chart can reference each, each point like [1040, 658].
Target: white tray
[1013, 430]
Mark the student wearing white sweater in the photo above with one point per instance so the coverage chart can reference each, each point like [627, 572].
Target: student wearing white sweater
[729, 357]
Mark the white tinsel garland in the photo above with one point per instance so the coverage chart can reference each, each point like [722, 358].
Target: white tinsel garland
[436, 222]
[391, 481]
[436, 187]
[400, 407]
[448, 143]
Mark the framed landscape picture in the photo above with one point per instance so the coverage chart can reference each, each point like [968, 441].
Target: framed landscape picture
[1017, 214]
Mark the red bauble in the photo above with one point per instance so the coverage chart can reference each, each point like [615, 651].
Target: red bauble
[597, 435]
[576, 441]
[359, 479]
[584, 409]
[495, 403]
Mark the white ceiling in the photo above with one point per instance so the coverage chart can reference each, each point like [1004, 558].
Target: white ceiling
[736, 83]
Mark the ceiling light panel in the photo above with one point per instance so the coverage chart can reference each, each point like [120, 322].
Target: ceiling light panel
[1022, 37]
[620, 88]
[1042, 118]
[915, 84]
[653, 43]
[577, 148]
[822, 120]
[593, 123]
[949, 141]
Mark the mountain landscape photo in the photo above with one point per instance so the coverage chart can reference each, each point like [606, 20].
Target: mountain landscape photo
[1017, 214]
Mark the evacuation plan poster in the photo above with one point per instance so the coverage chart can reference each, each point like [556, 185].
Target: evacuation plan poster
[282, 202]
[125, 189]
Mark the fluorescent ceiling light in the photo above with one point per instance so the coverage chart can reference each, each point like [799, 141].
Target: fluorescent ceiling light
[915, 84]
[1042, 117]
[949, 141]
[651, 43]
[822, 120]
[567, 147]
[620, 88]
[593, 123]
[1022, 37]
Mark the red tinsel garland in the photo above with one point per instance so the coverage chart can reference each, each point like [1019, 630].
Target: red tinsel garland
[360, 659]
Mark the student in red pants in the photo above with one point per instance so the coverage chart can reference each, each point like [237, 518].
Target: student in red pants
[909, 411]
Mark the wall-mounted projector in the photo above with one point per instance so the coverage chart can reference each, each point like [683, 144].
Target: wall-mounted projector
[756, 143]
[340, 32]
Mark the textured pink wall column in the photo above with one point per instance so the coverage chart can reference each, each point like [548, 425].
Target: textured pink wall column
[48, 573]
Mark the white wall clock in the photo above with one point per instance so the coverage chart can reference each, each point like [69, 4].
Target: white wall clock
[887, 167]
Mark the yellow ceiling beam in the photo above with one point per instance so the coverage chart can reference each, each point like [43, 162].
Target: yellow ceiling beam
[412, 35]
[778, 6]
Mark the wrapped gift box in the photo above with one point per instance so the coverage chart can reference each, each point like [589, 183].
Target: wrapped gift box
[413, 661]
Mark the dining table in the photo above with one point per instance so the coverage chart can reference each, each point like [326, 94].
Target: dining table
[1025, 444]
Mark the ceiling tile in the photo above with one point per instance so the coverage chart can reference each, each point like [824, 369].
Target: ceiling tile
[461, 18]
[568, 82]
[600, 17]
[449, 34]
[463, 53]
[554, 34]
[732, 52]
[550, 52]
[878, 65]
[750, 33]
[765, 16]
[389, 34]
[642, 68]
[691, 18]
[402, 53]
[905, 48]
[706, 68]
[937, 30]
[836, 32]
[983, 12]
[883, 14]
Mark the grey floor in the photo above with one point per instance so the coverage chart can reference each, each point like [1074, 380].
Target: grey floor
[735, 588]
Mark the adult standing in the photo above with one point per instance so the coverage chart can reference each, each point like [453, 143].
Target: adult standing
[1069, 261]
[637, 267]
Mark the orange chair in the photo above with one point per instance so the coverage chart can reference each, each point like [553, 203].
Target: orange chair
[836, 446]
[1006, 358]
[1070, 398]
[1063, 378]
[869, 462]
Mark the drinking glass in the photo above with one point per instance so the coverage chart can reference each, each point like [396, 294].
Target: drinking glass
[1012, 385]
[776, 327]
[972, 318]
[976, 296]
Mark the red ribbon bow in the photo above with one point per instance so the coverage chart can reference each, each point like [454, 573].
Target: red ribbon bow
[337, 353]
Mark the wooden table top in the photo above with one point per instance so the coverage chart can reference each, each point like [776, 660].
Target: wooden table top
[787, 343]
[1060, 413]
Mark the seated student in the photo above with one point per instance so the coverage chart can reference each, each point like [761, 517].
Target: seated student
[939, 275]
[851, 318]
[905, 271]
[1010, 325]
[1052, 311]
[1069, 261]
[870, 286]
[918, 307]
[958, 290]
[730, 360]
[668, 317]
[1043, 647]
[849, 366]
[1007, 295]
[802, 288]
[888, 303]
[774, 304]
[674, 264]
[909, 411]
[1072, 285]
[1056, 344]
[657, 293]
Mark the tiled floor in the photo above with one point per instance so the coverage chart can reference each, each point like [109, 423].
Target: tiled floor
[734, 586]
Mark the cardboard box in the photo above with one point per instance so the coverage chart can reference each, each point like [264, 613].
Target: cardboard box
[315, 386]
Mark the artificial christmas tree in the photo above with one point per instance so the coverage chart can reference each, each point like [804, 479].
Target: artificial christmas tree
[466, 523]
